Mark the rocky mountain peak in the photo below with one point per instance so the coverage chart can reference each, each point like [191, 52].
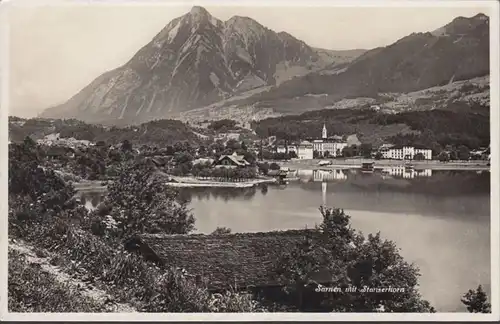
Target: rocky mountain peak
[195, 60]
[198, 11]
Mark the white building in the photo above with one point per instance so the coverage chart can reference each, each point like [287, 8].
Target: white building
[283, 148]
[405, 153]
[330, 145]
[305, 150]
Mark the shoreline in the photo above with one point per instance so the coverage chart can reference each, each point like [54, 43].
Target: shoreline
[378, 164]
[190, 182]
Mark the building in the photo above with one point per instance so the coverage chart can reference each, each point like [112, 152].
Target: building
[248, 260]
[328, 146]
[332, 146]
[305, 150]
[283, 148]
[231, 161]
[404, 153]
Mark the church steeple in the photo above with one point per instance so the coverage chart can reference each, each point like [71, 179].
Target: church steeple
[324, 134]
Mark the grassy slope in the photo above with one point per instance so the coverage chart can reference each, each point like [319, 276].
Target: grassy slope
[31, 289]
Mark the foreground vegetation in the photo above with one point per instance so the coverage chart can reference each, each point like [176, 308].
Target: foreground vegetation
[89, 246]
[33, 290]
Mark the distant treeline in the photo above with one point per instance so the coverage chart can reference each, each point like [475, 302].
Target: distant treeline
[432, 127]
[161, 132]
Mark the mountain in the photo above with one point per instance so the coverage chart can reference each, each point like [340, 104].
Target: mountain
[456, 52]
[194, 61]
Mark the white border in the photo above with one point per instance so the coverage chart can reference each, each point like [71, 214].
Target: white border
[495, 145]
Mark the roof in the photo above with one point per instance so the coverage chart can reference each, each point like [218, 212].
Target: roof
[386, 146]
[237, 159]
[277, 173]
[203, 160]
[227, 260]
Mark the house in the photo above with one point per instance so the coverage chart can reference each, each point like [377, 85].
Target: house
[305, 150]
[231, 161]
[240, 260]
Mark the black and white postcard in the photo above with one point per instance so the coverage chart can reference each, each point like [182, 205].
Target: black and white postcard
[262, 160]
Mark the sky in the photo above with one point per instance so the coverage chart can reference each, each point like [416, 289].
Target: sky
[54, 51]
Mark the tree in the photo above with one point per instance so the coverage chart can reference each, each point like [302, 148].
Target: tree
[463, 153]
[126, 146]
[476, 301]
[326, 154]
[218, 125]
[453, 155]
[347, 152]
[338, 256]
[244, 146]
[202, 151]
[274, 166]
[263, 168]
[443, 157]
[378, 156]
[142, 203]
[221, 231]
[366, 150]
[232, 145]
[29, 142]
[170, 150]
[419, 157]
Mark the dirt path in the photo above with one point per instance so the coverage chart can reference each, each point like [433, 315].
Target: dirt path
[85, 289]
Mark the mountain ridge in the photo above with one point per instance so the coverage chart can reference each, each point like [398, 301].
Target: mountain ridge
[197, 61]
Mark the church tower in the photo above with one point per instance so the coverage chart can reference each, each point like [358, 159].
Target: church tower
[324, 134]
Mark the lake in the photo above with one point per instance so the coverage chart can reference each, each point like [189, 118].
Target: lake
[439, 219]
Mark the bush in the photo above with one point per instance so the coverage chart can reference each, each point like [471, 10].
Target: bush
[274, 166]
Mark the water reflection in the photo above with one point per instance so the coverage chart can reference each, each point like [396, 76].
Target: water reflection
[343, 174]
[438, 218]
[406, 173]
[388, 189]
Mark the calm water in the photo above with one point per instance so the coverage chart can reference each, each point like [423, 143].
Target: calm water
[439, 219]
